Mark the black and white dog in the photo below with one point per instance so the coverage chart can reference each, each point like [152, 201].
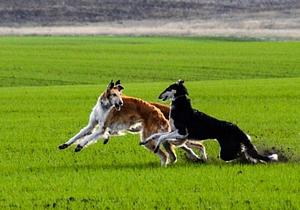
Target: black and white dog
[188, 123]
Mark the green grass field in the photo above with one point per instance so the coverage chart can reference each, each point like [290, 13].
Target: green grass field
[49, 85]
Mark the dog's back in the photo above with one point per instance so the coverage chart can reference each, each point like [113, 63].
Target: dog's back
[163, 108]
[202, 126]
[136, 111]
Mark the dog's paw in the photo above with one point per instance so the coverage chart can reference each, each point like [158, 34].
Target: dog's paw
[105, 141]
[194, 158]
[156, 149]
[201, 160]
[63, 146]
[78, 148]
[173, 160]
[143, 142]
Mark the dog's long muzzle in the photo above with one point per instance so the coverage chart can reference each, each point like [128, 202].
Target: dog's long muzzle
[161, 96]
[118, 106]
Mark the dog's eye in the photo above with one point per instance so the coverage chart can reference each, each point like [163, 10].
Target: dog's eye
[114, 94]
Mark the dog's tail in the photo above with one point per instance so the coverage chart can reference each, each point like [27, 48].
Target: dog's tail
[252, 155]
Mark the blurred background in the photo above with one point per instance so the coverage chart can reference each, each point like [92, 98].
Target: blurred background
[254, 18]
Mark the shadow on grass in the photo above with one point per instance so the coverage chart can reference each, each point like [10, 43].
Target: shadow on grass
[120, 166]
[151, 166]
[125, 166]
[117, 166]
[285, 156]
[98, 166]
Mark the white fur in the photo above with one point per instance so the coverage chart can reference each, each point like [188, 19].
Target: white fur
[168, 95]
[171, 121]
[190, 153]
[273, 157]
[203, 153]
[167, 136]
[135, 128]
[97, 117]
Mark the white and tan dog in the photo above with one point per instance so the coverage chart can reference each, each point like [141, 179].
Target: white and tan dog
[109, 99]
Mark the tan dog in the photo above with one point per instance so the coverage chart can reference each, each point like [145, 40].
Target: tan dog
[151, 118]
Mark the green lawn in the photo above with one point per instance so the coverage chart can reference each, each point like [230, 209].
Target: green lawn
[92, 60]
[49, 85]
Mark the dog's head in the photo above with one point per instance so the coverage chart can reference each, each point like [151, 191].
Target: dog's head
[112, 96]
[173, 91]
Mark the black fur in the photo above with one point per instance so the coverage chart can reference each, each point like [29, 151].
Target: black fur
[200, 126]
[118, 85]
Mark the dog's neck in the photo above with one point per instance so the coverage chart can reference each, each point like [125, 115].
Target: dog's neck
[181, 101]
[105, 106]
[177, 97]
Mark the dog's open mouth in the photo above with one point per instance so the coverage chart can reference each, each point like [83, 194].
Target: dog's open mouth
[163, 97]
[118, 107]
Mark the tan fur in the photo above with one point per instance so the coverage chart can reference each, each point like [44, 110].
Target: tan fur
[110, 92]
[163, 108]
[134, 111]
[152, 116]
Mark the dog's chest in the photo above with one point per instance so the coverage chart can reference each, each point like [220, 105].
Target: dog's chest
[172, 125]
[171, 120]
[100, 114]
[177, 117]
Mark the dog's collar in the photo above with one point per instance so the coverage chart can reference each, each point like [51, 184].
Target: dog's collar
[179, 97]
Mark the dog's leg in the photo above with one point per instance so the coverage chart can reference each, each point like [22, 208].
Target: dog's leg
[164, 160]
[198, 146]
[203, 153]
[106, 136]
[153, 136]
[94, 136]
[170, 149]
[105, 140]
[187, 146]
[83, 132]
[135, 128]
[171, 136]
[191, 155]
[252, 154]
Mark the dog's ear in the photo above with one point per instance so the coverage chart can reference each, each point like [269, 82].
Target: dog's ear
[120, 87]
[110, 85]
[180, 82]
[118, 82]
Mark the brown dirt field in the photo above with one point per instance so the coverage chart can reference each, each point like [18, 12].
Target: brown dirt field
[164, 29]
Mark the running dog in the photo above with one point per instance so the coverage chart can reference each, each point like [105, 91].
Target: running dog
[137, 123]
[109, 99]
[129, 112]
[188, 123]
